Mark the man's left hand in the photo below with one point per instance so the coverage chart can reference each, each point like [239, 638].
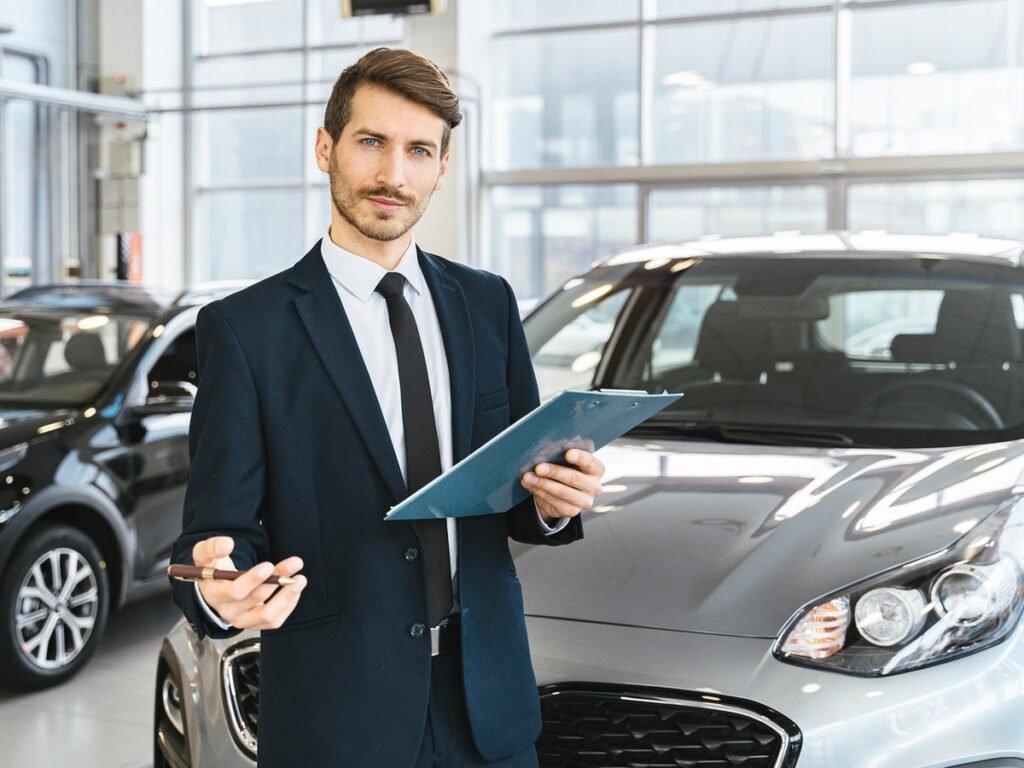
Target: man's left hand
[565, 491]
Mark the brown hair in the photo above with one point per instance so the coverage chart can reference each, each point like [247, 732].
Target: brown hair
[402, 72]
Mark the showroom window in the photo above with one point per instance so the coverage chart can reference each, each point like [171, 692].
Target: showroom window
[560, 100]
[27, 182]
[994, 207]
[259, 85]
[38, 220]
[251, 233]
[935, 79]
[509, 15]
[672, 8]
[683, 214]
[740, 90]
[731, 117]
[542, 236]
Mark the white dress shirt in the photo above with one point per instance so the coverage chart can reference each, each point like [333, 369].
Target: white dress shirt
[356, 279]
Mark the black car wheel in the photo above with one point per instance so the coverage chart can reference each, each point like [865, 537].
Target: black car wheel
[54, 600]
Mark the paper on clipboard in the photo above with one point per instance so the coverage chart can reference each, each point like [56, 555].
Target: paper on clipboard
[487, 481]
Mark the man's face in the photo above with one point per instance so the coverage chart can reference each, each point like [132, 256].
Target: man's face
[385, 165]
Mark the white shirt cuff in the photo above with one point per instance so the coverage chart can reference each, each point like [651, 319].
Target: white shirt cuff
[213, 617]
[548, 529]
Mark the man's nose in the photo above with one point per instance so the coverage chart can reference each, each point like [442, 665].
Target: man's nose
[391, 171]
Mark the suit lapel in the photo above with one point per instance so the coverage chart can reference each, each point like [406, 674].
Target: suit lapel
[457, 331]
[327, 325]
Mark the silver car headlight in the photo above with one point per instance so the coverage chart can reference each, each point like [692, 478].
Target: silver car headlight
[933, 610]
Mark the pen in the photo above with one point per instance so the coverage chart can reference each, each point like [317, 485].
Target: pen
[196, 573]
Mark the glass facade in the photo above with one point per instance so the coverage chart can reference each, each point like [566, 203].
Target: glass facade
[542, 236]
[262, 71]
[531, 14]
[250, 145]
[994, 207]
[249, 26]
[683, 214]
[937, 79]
[561, 101]
[740, 90]
[252, 233]
[613, 122]
[33, 227]
[675, 8]
[676, 98]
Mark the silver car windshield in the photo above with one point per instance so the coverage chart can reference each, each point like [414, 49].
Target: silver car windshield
[864, 348]
[58, 357]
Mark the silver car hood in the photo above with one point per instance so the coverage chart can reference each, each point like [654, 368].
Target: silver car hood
[731, 539]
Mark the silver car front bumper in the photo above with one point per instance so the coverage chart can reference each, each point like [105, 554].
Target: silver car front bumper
[955, 714]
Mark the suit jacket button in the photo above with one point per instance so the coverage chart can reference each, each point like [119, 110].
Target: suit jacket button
[411, 554]
[417, 630]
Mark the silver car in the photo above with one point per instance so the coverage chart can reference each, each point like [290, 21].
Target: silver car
[815, 558]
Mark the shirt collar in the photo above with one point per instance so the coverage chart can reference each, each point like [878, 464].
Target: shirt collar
[360, 276]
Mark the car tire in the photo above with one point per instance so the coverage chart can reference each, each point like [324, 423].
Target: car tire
[170, 734]
[54, 601]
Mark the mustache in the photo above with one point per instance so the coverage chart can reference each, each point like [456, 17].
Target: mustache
[388, 192]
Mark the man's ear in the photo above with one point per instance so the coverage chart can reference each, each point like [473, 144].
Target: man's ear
[444, 169]
[323, 148]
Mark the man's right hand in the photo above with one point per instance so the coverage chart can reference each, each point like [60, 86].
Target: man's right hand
[246, 602]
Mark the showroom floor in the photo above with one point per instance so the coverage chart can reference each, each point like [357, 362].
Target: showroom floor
[102, 717]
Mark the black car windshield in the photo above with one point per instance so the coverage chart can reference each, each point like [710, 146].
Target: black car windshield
[862, 349]
[54, 357]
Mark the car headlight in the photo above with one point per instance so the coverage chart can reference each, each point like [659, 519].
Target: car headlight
[888, 616]
[935, 609]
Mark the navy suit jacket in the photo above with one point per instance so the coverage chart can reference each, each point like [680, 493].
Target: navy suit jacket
[291, 456]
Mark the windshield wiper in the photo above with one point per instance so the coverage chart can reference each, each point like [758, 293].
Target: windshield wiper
[758, 434]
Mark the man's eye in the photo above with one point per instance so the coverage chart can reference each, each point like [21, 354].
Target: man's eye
[420, 152]
[370, 142]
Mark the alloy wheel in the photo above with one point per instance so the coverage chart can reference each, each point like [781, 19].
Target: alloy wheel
[56, 608]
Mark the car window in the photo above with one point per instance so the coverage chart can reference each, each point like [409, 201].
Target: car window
[178, 362]
[1017, 302]
[874, 350]
[568, 335]
[676, 338]
[12, 336]
[51, 357]
[569, 358]
[863, 324]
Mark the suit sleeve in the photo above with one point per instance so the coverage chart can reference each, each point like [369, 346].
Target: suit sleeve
[228, 463]
[524, 523]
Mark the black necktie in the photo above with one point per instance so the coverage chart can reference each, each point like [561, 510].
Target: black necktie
[422, 455]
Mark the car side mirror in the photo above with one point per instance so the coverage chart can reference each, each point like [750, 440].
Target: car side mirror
[166, 397]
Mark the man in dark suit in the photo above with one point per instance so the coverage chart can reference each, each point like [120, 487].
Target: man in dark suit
[328, 393]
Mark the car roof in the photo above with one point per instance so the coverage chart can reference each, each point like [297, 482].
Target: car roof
[119, 297]
[205, 292]
[963, 247]
[88, 295]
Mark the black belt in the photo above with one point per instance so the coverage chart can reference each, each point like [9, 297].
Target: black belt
[445, 637]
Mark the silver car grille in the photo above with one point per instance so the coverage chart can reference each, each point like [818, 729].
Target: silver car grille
[589, 725]
[240, 669]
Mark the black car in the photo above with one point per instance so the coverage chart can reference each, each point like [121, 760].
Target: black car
[96, 389]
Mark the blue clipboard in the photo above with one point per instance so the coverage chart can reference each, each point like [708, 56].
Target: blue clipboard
[487, 481]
